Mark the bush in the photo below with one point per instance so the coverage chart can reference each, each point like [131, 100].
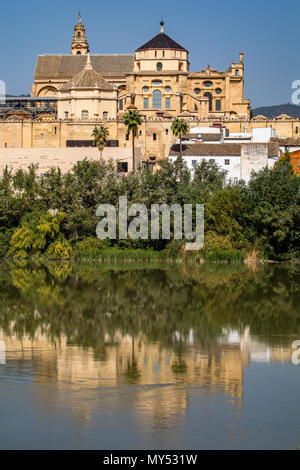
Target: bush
[61, 249]
[91, 244]
[40, 236]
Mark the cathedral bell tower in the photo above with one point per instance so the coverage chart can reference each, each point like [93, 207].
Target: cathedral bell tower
[79, 45]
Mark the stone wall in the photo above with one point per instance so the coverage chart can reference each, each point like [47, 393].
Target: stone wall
[64, 158]
[155, 135]
[254, 157]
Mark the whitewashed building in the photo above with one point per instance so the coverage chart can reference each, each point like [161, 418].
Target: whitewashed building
[239, 160]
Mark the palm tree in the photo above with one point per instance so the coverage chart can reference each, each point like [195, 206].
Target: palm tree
[100, 135]
[180, 128]
[133, 120]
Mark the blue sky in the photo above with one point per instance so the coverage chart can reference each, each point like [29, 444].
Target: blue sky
[214, 32]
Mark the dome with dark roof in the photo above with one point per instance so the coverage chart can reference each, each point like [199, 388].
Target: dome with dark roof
[161, 41]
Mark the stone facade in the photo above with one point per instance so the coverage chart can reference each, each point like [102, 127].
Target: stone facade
[155, 136]
[79, 43]
[156, 79]
[87, 96]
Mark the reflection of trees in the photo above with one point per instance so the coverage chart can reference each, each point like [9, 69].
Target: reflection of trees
[179, 367]
[132, 374]
[89, 303]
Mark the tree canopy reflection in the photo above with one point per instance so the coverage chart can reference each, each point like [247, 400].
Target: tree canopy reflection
[87, 303]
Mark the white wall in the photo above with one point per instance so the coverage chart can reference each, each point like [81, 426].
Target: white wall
[262, 135]
[233, 169]
[205, 130]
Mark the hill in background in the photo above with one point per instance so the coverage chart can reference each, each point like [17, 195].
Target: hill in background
[274, 111]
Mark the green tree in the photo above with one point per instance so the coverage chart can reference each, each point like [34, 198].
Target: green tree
[180, 128]
[209, 177]
[40, 235]
[271, 210]
[133, 120]
[100, 135]
[222, 214]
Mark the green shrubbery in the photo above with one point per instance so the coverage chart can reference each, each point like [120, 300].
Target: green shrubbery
[41, 236]
[55, 215]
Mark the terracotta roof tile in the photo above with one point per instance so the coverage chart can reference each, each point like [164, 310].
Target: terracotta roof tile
[87, 79]
[232, 149]
[287, 142]
[204, 137]
[66, 66]
[207, 149]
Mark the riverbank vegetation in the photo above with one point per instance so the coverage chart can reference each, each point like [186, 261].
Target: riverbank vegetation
[54, 216]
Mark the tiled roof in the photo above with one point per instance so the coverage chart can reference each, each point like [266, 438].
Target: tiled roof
[66, 66]
[211, 137]
[293, 142]
[205, 137]
[207, 149]
[87, 79]
[220, 150]
[161, 41]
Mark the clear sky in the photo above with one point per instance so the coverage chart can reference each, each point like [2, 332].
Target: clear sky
[214, 32]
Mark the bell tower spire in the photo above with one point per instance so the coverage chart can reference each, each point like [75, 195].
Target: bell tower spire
[80, 44]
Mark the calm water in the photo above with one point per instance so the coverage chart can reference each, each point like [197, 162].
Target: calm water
[134, 357]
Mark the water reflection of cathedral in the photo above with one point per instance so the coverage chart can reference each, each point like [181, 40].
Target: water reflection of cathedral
[163, 377]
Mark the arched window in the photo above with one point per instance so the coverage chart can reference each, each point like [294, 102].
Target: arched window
[156, 99]
[159, 67]
[209, 96]
[105, 115]
[84, 115]
[197, 91]
[78, 53]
